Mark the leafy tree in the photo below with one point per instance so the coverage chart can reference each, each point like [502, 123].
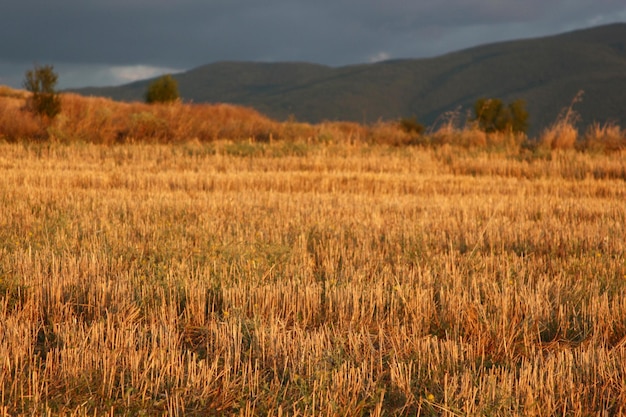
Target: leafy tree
[487, 112]
[41, 82]
[520, 116]
[493, 115]
[163, 90]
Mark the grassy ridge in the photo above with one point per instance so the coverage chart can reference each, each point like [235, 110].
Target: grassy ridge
[310, 279]
[103, 121]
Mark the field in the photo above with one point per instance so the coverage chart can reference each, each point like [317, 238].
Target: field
[310, 278]
[206, 260]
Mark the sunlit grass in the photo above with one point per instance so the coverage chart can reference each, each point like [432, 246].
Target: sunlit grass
[310, 279]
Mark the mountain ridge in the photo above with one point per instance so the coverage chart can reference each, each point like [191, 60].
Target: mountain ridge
[546, 72]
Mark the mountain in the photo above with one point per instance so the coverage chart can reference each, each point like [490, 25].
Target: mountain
[545, 72]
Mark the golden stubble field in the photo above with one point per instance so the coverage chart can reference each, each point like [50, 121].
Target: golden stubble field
[308, 279]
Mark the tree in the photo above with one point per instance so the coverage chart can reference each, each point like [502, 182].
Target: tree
[520, 116]
[163, 90]
[41, 82]
[493, 116]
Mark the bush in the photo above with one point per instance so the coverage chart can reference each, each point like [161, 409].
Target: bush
[41, 82]
[163, 90]
[493, 116]
[411, 125]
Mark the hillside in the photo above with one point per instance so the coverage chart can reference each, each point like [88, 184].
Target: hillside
[546, 72]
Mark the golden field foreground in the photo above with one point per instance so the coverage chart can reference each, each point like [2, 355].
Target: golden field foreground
[310, 279]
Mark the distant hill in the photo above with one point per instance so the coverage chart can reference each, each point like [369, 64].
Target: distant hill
[546, 72]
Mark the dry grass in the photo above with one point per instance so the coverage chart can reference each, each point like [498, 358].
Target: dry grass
[16, 123]
[99, 120]
[608, 138]
[103, 121]
[7, 92]
[468, 136]
[563, 135]
[560, 136]
[310, 279]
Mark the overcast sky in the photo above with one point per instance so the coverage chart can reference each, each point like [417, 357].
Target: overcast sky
[108, 42]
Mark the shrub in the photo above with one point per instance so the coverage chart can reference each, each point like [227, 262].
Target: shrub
[411, 125]
[41, 82]
[387, 133]
[163, 90]
[519, 114]
[493, 116]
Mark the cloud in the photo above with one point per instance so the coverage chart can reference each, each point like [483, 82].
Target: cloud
[602, 19]
[380, 56]
[139, 72]
[82, 75]
[71, 76]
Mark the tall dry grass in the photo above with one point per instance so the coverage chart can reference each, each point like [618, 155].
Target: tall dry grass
[103, 121]
[563, 134]
[607, 138]
[317, 279]
[450, 131]
[100, 120]
[16, 123]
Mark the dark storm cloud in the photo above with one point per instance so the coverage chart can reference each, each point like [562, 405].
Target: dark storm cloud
[111, 32]
[122, 39]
